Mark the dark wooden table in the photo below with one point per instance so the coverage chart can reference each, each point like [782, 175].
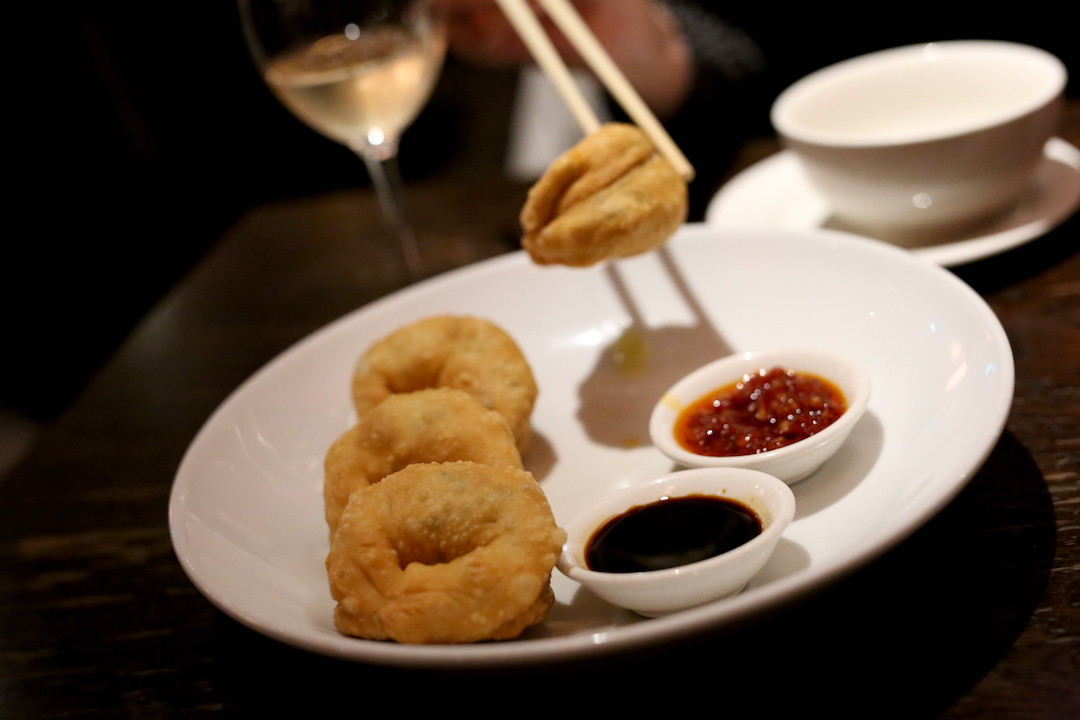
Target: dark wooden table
[975, 616]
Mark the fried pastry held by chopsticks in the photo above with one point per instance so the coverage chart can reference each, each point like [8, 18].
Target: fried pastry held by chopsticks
[610, 196]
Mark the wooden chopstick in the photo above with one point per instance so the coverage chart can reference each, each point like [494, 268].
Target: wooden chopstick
[551, 63]
[583, 40]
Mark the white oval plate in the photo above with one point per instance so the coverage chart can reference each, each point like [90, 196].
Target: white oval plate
[775, 194]
[246, 506]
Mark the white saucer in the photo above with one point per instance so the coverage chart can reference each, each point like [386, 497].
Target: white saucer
[774, 193]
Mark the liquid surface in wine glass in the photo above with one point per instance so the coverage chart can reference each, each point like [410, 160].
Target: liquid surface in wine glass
[361, 91]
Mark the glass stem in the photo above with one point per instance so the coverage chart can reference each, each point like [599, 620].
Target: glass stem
[386, 177]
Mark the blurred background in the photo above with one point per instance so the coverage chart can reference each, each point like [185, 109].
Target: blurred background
[142, 131]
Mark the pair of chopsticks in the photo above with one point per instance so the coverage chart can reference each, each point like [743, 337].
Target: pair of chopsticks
[578, 33]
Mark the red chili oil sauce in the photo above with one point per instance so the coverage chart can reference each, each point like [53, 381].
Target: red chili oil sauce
[764, 411]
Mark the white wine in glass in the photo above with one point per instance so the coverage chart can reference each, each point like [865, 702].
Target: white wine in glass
[357, 71]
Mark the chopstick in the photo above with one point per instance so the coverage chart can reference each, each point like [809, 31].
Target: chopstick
[583, 40]
[547, 57]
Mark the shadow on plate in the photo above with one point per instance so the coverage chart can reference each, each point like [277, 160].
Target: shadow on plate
[631, 374]
[540, 456]
[843, 472]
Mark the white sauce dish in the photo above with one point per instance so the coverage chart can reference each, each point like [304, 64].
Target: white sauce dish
[658, 592]
[790, 463]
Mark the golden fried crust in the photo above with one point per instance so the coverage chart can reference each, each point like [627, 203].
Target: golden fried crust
[528, 617]
[609, 196]
[468, 353]
[597, 161]
[432, 425]
[444, 553]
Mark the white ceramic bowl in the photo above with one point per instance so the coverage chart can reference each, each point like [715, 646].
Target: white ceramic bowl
[660, 592]
[790, 463]
[923, 141]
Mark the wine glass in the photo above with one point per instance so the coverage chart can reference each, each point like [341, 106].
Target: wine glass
[357, 71]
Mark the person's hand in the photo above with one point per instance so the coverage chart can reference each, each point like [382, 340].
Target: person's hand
[641, 36]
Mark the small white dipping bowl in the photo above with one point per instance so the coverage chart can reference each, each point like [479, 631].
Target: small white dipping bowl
[790, 463]
[655, 593]
[916, 143]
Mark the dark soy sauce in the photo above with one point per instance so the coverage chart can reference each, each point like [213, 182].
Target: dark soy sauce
[672, 532]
